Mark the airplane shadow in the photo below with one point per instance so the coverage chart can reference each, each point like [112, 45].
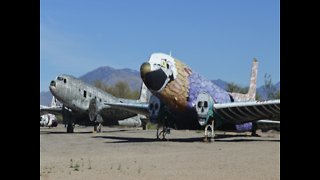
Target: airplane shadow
[217, 138]
[241, 138]
[83, 132]
[139, 139]
[59, 132]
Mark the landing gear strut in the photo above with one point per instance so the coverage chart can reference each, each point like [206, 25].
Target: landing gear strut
[254, 129]
[165, 130]
[98, 128]
[208, 136]
[70, 128]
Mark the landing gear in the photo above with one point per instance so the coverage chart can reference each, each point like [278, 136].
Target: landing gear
[70, 128]
[97, 128]
[208, 136]
[254, 130]
[165, 130]
[144, 126]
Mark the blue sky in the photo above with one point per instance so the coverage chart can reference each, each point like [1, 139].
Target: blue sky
[217, 38]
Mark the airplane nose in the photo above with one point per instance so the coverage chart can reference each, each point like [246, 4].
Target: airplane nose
[144, 69]
[154, 79]
[53, 83]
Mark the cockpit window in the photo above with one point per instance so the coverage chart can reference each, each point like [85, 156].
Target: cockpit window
[59, 78]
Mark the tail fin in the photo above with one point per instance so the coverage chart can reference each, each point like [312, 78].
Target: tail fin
[53, 102]
[144, 93]
[251, 95]
[253, 80]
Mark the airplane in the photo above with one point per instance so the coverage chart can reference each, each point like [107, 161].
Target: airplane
[47, 114]
[183, 99]
[48, 120]
[83, 104]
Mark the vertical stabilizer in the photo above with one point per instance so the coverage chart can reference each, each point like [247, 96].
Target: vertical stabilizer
[53, 102]
[253, 80]
[251, 95]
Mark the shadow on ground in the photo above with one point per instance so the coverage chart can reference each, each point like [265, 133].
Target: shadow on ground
[228, 138]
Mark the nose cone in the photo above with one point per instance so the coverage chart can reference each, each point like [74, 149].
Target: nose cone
[53, 83]
[144, 69]
[155, 80]
[52, 86]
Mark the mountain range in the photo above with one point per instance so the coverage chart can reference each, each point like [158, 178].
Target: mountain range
[110, 76]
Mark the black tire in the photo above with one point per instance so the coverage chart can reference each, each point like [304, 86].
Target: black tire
[69, 128]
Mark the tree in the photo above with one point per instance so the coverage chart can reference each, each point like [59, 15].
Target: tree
[269, 88]
[232, 87]
[121, 89]
[99, 84]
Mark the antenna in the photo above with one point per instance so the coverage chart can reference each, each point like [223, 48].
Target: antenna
[170, 54]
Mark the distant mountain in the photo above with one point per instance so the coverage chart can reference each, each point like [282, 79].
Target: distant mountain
[110, 76]
[45, 98]
[263, 94]
[220, 83]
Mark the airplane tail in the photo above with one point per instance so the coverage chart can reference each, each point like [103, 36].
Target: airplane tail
[53, 102]
[251, 95]
[253, 80]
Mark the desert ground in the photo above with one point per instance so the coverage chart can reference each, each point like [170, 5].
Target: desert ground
[133, 153]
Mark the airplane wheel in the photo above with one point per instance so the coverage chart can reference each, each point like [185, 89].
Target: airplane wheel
[69, 128]
[99, 128]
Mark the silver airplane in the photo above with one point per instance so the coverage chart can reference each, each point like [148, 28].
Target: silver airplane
[84, 104]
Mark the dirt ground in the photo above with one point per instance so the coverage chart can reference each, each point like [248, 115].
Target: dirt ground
[131, 153]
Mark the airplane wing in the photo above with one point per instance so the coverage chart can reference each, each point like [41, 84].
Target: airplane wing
[242, 112]
[138, 108]
[51, 110]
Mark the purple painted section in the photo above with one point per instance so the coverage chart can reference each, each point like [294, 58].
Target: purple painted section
[199, 84]
[244, 127]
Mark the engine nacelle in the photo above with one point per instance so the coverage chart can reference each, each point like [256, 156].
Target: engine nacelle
[94, 111]
[204, 108]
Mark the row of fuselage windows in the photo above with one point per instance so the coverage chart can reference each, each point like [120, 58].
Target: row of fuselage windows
[62, 79]
[84, 91]
[90, 95]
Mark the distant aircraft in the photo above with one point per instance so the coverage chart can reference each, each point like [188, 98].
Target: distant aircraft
[84, 104]
[47, 117]
[186, 100]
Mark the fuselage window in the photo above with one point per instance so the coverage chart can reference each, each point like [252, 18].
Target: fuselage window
[84, 93]
[64, 80]
[100, 99]
[89, 94]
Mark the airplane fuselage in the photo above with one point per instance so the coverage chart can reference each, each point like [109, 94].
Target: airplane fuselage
[174, 83]
[76, 95]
